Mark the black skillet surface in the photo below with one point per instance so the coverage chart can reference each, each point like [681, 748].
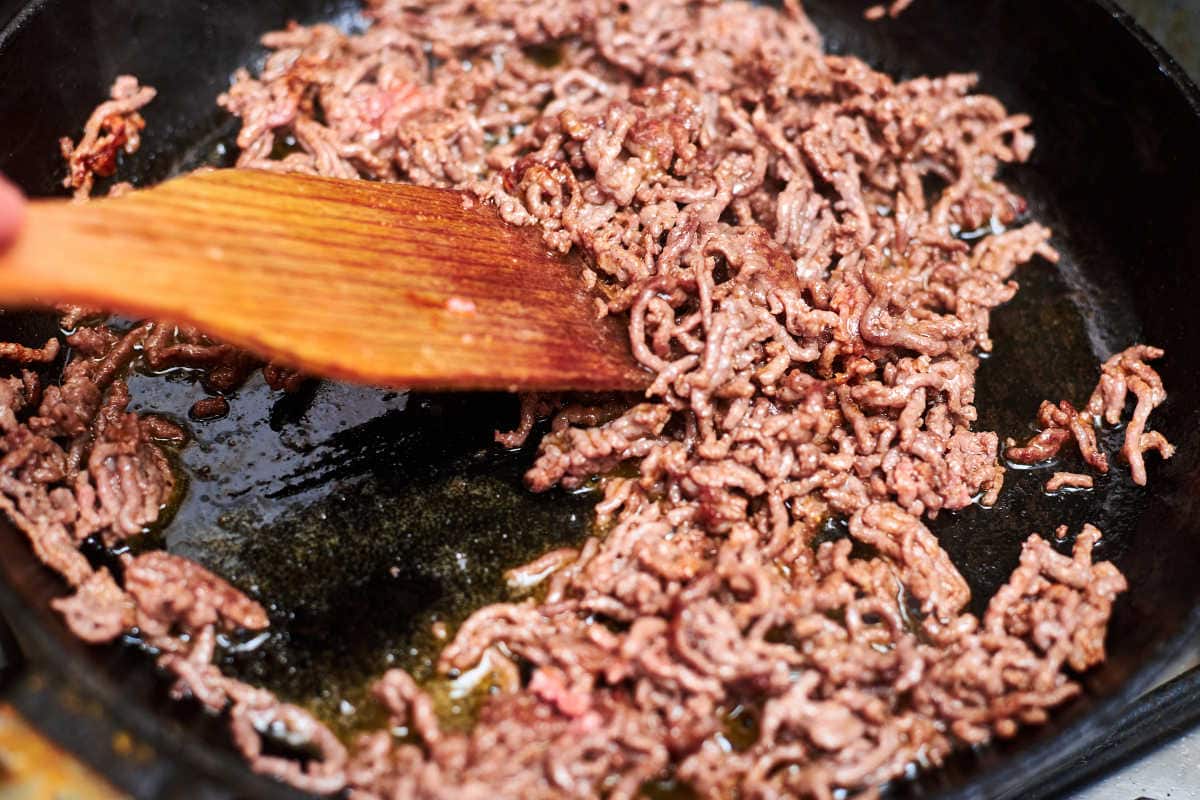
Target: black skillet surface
[359, 515]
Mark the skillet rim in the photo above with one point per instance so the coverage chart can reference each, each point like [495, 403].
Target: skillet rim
[49, 648]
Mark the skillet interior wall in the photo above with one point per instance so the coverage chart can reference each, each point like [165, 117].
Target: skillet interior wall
[1111, 175]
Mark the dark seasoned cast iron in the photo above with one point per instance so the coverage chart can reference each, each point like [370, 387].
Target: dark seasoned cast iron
[359, 515]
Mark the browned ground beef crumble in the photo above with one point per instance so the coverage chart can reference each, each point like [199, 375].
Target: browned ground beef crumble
[756, 209]
[114, 126]
[893, 10]
[1069, 480]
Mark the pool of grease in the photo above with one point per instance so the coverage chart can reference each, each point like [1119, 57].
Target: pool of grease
[359, 518]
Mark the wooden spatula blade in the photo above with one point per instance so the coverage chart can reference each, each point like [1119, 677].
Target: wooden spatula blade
[385, 284]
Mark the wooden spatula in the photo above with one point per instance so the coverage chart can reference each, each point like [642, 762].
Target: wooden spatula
[385, 284]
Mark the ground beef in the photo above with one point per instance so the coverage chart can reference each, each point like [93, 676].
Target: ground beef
[783, 231]
[893, 10]
[209, 408]
[1060, 424]
[1125, 373]
[71, 315]
[98, 611]
[572, 455]
[163, 430]
[29, 355]
[114, 127]
[1128, 373]
[168, 591]
[75, 462]
[534, 406]
[1069, 480]
[283, 379]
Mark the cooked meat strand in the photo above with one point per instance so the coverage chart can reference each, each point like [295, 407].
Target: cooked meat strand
[30, 355]
[1125, 373]
[1060, 424]
[114, 127]
[1128, 373]
[893, 10]
[99, 611]
[209, 408]
[1069, 480]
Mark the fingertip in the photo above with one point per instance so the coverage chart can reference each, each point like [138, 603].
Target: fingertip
[12, 212]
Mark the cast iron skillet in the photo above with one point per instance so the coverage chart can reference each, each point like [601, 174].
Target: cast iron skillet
[357, 514]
